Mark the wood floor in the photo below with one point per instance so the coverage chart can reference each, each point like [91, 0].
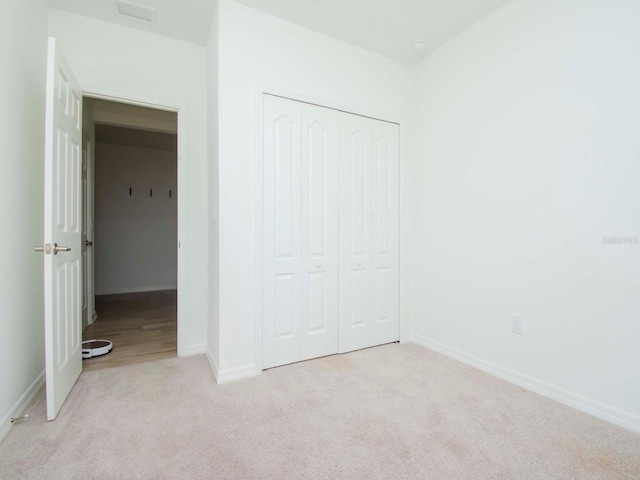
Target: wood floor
[142, 327]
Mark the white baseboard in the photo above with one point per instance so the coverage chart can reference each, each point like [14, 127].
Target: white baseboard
[597, 409]
[231, 374]
[21, 404]
[238, 373]
[213, 363]
[194, 350]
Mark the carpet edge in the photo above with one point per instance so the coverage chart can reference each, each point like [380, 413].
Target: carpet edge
[571, 399]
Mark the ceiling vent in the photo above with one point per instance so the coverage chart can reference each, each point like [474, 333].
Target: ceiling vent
[139, 12]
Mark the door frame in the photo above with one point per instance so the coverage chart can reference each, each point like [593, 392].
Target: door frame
[87, 198]
[182, 164]
[260, 92]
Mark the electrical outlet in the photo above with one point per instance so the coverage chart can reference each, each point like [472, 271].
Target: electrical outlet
[516, 323]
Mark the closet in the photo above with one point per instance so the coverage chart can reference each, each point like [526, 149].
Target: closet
[330, 231]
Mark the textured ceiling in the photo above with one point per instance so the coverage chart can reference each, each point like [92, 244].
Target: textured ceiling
[387, 27]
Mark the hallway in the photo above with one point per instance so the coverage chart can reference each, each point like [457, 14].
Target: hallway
[142, 327]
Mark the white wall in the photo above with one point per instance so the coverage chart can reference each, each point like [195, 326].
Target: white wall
[136, 236]
[527, 156]
[257, 50]
[23, 51]
[213, 331]
[129, 62]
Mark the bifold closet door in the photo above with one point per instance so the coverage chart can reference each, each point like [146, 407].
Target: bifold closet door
[300, 231]
[369, 230]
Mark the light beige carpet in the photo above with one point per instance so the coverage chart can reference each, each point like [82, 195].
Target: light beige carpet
[392, 412]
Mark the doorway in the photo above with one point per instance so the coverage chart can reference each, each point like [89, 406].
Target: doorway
[131, 217]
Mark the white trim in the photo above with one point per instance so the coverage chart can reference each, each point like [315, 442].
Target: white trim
[259, 219]
[404, 328]
[232, 374]
[88, 280]
[262, 90]
[323, 102]
[131, 99]
[181, 110]
[195, 350]
[21, 404]
[579, 402]
[212, 363]
[238, 373]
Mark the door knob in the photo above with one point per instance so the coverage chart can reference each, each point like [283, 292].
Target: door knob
[57, 249]
[88, 243]
[46, 249]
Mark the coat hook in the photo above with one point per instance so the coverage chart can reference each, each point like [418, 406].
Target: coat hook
[130, 191]
[169, 193]
[151, 192]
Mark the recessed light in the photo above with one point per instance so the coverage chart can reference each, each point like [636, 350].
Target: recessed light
[134, 10]
[419, 45]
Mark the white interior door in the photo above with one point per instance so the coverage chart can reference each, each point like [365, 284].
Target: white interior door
[319, 174]
[355, 227]
[282, 286]
[330, 232]
[300, 284]
[62, 231]
[369, 231]
[385, 232]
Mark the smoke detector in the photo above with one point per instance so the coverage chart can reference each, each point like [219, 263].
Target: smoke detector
[134, 10]
[419, 45]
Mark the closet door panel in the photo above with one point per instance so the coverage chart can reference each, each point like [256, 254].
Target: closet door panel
[330, 232]
[282, 275]
[385, 232]
[319, 174]
[355, 238]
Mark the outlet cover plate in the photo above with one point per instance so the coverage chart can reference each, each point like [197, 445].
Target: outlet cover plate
[516, 323]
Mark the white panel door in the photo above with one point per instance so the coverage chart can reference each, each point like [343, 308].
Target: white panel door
[355, 233]
[369, 231]
[300, 231]
[385, 232]
[319, 174]
[62, 232]
[330, 232]
[281, 286]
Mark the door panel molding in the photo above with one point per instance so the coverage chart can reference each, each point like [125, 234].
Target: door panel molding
[62, 283]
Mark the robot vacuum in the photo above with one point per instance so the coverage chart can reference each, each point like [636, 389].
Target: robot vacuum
[96, 348]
